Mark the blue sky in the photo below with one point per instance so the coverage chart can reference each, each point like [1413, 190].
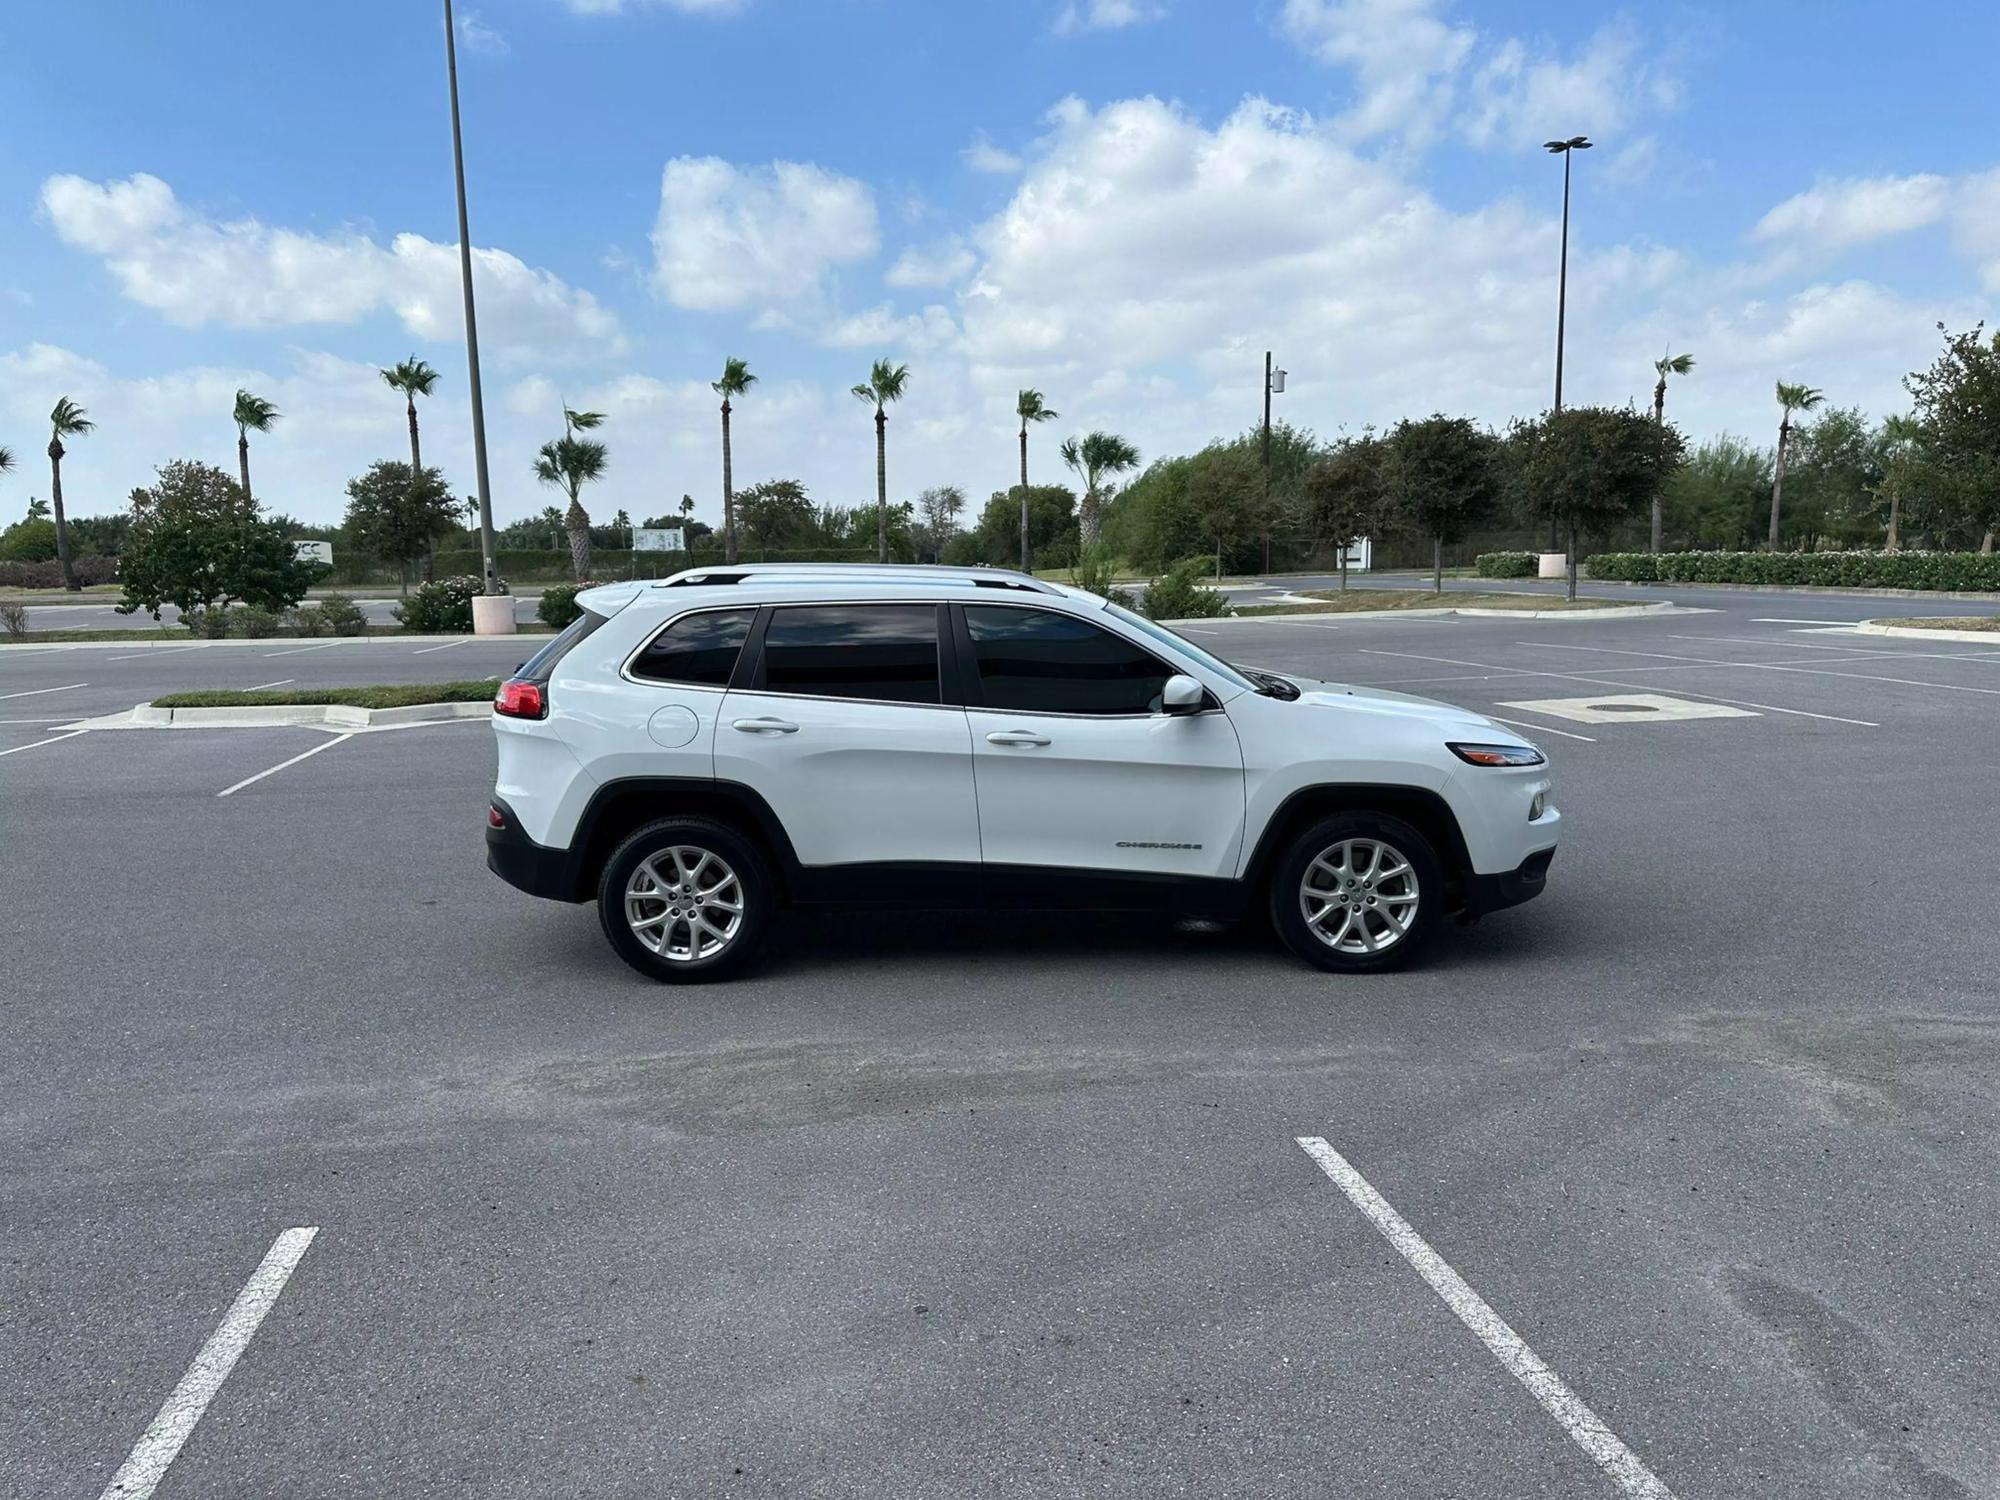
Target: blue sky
[1120, 202]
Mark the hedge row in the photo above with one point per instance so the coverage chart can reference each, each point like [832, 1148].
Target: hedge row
[48, 575]
[1974, 571]
[1507, 564]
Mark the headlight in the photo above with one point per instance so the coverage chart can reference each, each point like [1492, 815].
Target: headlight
[1498, 755]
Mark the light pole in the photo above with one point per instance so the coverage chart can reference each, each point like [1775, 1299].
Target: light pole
[1564, 149]
[1274, 384]
[484, 489]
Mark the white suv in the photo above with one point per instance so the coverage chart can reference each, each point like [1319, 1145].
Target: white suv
[698, 753]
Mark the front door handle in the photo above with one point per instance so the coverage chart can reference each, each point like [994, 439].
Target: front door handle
[1021, 737]
[766, 726]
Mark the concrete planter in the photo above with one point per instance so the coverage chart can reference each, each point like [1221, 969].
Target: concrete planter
[492, 614]
[1554, 565]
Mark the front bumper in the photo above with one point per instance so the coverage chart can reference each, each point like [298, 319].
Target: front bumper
[1485, 893]
[525, 864]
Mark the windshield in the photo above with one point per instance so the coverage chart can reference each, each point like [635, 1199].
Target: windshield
[1183, 645]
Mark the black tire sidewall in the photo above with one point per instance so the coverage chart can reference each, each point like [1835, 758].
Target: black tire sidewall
[742, 856]
[1290, 870]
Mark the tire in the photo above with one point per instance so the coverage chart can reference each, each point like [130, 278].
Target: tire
[1396, 912]
[725, 941]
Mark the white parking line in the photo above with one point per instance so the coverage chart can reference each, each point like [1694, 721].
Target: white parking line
[162, 1442]
[1685, 692]
[52, 739]
[1771, 666]
[1541, 729]
[1853, 653]
[305, 755]
[262, 685]
[427, 650]
[1761, 620]
[37, 692]
[1585, 1428]
[294, 651]
[156, 651]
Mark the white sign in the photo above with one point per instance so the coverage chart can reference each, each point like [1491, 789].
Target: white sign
[318, 552]
[1361, 555]
[656, 539]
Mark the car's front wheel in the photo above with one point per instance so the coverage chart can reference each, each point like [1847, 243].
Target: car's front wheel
[1357, 892]
[686, 900]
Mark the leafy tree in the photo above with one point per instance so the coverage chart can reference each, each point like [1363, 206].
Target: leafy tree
[200, 543]
[31, 540]
[1029, 407]
[569, 463]
[736, 380]
[250, 414]
[1589, 468]
[1229, 497]
[1791, 398]
[1902, 461]
[995, 538]
[937, 518]
[66, 420]
[775, 515]
[885, 383]
[414, 378]
[1714, 502]
[1833, 477]
[398, 515]
[1094, 459]
[1958, 408]
[1346, 495]
[1444, 480]
[1667, 364]
[104, 535]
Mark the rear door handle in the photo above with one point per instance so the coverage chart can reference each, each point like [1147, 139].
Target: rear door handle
[766, 726]
[1021, 737]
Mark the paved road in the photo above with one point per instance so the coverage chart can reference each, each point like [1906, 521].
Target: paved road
[103, 615]
[979, 1207]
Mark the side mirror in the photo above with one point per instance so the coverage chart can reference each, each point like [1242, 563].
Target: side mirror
[1181, 695]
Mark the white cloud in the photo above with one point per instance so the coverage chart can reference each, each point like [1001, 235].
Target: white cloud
[763, 238]
[685, 7]
[474, 35]
[881, 327]
[1404, 58]
[1835, 214]
[983, 156]
[1079, 16]
[242, 273]
[932, 265]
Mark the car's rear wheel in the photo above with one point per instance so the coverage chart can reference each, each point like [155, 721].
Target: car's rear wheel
[686, 900]
[1357, 892]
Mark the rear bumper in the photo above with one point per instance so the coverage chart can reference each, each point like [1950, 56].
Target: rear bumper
[525, 864]
[1485, 893]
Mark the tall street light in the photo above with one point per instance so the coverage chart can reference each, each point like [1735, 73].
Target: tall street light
[1564, 149]
[485, 493]
[1274, 384]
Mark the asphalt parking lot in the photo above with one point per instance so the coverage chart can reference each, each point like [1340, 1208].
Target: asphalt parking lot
[970, 1206]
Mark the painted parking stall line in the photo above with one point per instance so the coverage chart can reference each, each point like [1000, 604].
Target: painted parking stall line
[1771, 666]
[161, 1443]
[296, 650]
[259, 687]
[157, 651]
[51, 740]
[37, 692]
[1539, 728]
[1585, 1428]
[230, 791]
[427, 650]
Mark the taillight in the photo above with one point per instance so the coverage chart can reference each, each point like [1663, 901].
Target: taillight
[521, 700]
[494, 817]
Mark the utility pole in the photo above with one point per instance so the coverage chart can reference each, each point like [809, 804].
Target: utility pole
[1564, 149]
[1274, 380]
[483, 487]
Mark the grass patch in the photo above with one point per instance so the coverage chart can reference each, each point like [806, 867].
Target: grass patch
[398, 695]
[1989, 623]
[1333, 602]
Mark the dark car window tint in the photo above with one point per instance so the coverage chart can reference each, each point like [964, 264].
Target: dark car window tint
[886, 652]
[1035, 661]
[698, 648]
[542, 665]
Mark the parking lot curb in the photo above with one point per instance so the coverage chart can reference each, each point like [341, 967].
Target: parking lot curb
[336, 716]
[265, 642]
[1613, 612]
[1924, 633]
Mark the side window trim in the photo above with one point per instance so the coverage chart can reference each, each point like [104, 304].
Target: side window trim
[975, 688]
[749, 674]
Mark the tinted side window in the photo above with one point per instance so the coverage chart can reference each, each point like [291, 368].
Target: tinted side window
[542, 665]
[1035, 661]
[698, 648]
[887, 652]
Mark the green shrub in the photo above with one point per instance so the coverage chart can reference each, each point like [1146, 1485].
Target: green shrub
[559, 607]
[343, 616]
[210, 624]
[13, 617]
[440, 608]
[1507, 564]
[1093, 571]
[255, 623]
[310, 620]
[1179, 594]
[1968, 571]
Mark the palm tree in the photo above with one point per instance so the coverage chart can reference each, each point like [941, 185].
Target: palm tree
[1667, 364]
[736, 379]
[1899, 445]
[885, 384]
[413, 378]
[569, 463]
[1791, 398]
[67, 420]
[6, 459]
[1028, 407]
[580, 421]
[1095, 459]
[251, 414]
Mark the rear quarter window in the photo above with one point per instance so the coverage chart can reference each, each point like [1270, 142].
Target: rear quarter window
[542, 665]
[698, 649]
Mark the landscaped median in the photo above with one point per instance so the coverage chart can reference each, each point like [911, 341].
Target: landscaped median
[1982, 630]
[1413, 602]
[384, 706]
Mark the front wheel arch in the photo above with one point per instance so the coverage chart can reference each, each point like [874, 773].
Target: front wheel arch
[1423, 809]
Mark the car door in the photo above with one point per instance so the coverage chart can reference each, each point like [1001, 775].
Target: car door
[840, 723]
[1076, 766]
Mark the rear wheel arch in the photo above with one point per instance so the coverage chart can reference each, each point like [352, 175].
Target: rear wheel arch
[619, 807]
[1423, 809]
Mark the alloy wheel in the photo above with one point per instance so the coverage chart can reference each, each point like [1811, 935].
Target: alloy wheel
[1359, 896]
[684, 903]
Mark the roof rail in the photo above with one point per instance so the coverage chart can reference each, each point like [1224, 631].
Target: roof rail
[841, 572]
